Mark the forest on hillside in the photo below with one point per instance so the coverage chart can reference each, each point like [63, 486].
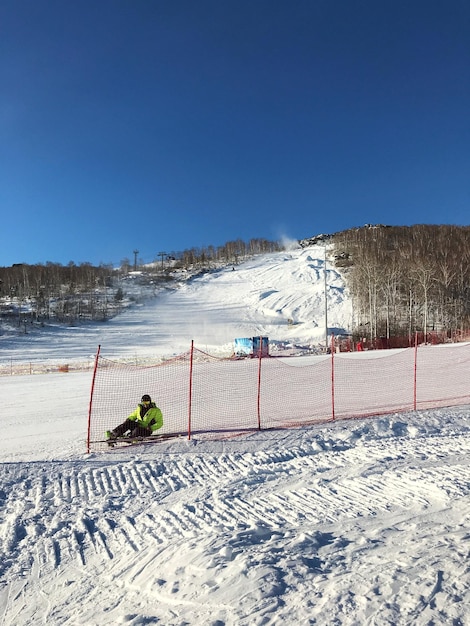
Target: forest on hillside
[407, 279]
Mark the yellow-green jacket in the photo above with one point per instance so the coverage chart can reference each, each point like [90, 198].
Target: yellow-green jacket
[150, 417]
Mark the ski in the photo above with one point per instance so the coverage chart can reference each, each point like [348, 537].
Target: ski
[129, 441]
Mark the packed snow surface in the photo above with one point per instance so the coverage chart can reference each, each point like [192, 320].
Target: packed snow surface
[354, 522]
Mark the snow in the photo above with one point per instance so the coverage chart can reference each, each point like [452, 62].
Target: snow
[258, 297]
[353, 522]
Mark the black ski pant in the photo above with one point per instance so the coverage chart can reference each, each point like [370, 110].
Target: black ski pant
[135, 430]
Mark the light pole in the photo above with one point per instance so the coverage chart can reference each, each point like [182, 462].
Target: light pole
[326, 303]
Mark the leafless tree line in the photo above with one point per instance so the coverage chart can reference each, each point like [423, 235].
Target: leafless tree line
[231, 252]
[44, 291]
[405, 279]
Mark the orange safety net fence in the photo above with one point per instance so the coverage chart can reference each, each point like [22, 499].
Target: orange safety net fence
[199, 393]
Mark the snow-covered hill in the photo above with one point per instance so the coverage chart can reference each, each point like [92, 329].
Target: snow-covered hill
[279, 295]
[351, 523]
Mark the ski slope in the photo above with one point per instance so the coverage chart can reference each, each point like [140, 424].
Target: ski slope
[279, 295]
[354, 522]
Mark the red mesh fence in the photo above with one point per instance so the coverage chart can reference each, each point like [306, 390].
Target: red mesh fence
[294, 393]
[200, 393]
[119, 387]
[442, 376]
[370, 385]
[224, 394]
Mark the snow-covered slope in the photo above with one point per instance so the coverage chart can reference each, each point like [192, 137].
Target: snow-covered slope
[279, 295]
[351, 523]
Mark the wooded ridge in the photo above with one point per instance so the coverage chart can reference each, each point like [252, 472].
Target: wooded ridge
[405, 279]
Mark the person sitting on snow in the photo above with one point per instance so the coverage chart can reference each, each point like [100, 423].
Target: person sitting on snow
[146, 419]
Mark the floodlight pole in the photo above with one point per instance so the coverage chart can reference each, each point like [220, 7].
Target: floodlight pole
[326, 303]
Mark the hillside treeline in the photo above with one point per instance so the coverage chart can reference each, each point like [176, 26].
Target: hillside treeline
[53, 291]
[29, 293]
[407, 279]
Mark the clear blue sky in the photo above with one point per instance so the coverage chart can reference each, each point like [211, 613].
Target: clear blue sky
[161, 125]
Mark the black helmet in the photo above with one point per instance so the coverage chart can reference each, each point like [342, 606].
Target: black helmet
[146, 398]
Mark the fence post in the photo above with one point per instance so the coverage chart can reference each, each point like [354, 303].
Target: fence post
[332, 348]
[91, 399]
[259, 387]
[415, 372]
[190, 399]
